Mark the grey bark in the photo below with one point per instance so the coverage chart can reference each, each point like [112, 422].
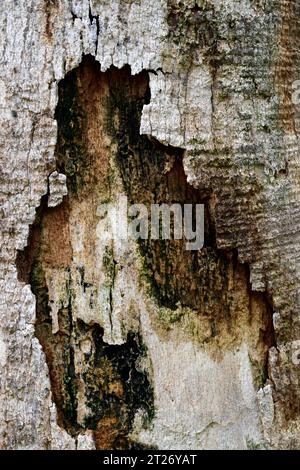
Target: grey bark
[221, 81]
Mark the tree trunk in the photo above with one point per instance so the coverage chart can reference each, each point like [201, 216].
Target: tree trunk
[110, 342]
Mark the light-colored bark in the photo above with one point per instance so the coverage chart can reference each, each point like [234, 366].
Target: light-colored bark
[220, 76]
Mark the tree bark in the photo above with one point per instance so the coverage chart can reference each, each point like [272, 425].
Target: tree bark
[110, 344]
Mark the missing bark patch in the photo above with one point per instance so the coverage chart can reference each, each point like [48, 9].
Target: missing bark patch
[87, 314]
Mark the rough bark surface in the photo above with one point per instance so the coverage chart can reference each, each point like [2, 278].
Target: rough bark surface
[129, 345]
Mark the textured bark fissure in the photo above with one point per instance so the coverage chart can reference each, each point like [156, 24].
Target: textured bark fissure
[49, 6]
[96, 20]
[96, 385]
[284, 370]
[287, 65]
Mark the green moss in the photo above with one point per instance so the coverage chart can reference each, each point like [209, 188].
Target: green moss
[192, 29]
[109, 265]
[168, 317]
[259, 373]
[252, 445]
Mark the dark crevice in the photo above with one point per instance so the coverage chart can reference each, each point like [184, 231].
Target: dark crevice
[74, 17]
[50, 7]
[267, 335]
[196, 8]
[96, 19]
